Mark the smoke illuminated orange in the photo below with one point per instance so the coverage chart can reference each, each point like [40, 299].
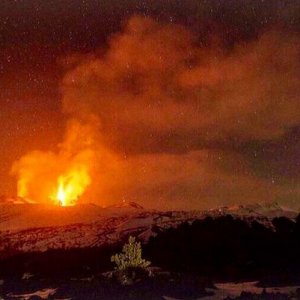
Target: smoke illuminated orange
[61, 177]
[70, 187]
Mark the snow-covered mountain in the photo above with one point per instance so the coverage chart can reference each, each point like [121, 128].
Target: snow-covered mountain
[36, 227]
[270, 210]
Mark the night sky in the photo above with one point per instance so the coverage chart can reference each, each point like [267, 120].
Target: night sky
[191, 104]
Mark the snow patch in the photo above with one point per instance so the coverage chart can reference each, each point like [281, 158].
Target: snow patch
[43, 294]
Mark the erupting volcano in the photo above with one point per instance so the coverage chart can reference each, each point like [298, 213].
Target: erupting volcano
[71, 187]
[169, 117]
[173, 125]
[59, 178]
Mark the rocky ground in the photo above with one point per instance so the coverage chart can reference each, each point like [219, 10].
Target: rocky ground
[162, 286]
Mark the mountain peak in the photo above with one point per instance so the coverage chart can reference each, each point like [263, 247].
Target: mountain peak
[125, 204]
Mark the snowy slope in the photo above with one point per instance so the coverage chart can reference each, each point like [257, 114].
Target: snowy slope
[34, 227]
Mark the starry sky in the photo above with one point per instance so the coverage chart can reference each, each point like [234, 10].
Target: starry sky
[197, 101]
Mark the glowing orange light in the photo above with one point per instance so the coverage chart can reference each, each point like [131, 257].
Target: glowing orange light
[71, 186]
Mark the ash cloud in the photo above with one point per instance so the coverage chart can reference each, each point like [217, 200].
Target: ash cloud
[167, 106]
[155, 86]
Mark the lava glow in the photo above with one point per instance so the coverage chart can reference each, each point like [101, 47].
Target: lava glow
[60, 177]
[70, 187]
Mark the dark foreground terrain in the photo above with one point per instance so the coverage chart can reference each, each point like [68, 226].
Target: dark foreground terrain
[191, 260]
[163, 286]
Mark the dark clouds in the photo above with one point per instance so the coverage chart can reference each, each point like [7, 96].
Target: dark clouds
[192, 96]
[78, 23]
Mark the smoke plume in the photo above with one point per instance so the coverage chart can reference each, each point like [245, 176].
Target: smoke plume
[162, 108]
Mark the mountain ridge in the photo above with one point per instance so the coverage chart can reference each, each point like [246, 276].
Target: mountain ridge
[34, 227]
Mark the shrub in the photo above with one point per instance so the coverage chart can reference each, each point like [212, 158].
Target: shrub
[129, 263]
[131, 256]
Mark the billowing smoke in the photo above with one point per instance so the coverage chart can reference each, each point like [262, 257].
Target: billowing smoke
[156, 85]
[164, 108]
[39, 172]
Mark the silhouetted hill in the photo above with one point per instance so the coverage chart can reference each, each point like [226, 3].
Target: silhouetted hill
[230, 248]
